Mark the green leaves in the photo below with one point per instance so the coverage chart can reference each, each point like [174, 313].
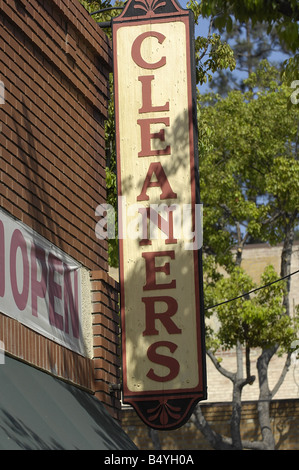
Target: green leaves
[249, 177]
[257, 320]
[281, 17]
[211, 55]
[249, 167]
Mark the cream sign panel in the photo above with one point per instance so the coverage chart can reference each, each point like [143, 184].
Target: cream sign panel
[40, 286]
[160, 274]
[163, 266]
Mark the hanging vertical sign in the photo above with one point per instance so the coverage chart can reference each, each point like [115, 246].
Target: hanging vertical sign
[158, 212]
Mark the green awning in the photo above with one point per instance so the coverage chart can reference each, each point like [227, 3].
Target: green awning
[40, 412]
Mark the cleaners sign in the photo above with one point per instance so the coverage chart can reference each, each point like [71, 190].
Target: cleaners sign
[40, 286]
[158, 216]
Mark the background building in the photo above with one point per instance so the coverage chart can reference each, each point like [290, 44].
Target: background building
[217, 408]
[58, 305]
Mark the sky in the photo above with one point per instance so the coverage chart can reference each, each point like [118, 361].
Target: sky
[201, 29]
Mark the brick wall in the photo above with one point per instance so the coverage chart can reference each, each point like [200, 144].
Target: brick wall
[100, 374]
[54, 64]
[106, 340]
[284, 419]
[23, 343]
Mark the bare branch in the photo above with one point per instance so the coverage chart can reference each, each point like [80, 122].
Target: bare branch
[208, 37]
[282, 375]
[216, 440]
[231, 376]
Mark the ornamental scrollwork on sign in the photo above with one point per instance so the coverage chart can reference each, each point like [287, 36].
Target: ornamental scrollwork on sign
[149, 5]
[164, 411]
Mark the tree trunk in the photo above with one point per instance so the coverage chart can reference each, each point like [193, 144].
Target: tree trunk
[217, 441]
[237, 403]
[286, 257]
[236, 417]
[265, 399]
[154, 436]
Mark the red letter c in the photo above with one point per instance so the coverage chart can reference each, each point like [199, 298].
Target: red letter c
[136, 53]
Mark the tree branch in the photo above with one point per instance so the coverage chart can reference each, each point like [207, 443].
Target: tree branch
[208, 37]
[216, 440]
[272, 219]
[282, 375]
[231, 376]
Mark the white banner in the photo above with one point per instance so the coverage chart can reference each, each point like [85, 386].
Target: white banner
[40, 286]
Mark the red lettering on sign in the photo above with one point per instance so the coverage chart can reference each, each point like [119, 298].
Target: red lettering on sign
[136, 50]
[71, 302]
[170, 362]
[151, 315]
[151, 269]
[162, 182]
[147, 96]
[165, 317]
[37, 282]
[164, 225]
[147, 136]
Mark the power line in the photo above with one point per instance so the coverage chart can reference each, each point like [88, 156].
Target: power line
[253, 290]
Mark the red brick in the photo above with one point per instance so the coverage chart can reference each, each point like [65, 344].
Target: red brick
[53, 171]
[51, 122]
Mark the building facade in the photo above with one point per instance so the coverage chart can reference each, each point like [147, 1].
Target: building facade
[58, 304]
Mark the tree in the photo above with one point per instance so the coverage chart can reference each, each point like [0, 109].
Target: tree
[254, 321]
[281, 15]
[252, 188]
[251, 44]
[254, 153]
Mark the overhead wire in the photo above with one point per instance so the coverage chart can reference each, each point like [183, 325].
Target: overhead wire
[252, 291]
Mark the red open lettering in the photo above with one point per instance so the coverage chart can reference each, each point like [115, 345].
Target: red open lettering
[18, 242]
[55, 290]
[71, 302]
[38, 288]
